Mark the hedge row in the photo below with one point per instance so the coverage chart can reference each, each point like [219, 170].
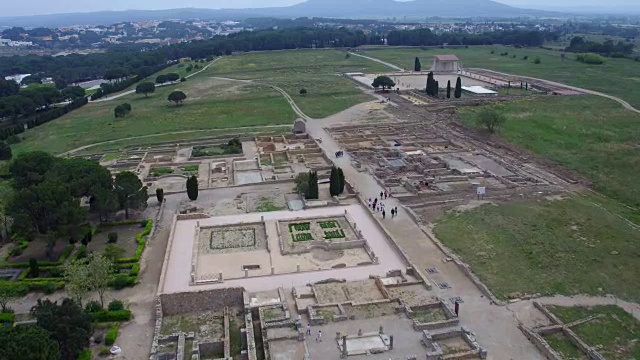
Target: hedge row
[85, 355]
[106, 316]
[112, 334]
[142, 241]
[23, 265]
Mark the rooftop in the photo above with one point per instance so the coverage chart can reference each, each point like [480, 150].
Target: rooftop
[446, 58]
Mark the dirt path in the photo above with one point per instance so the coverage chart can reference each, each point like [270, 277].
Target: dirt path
[395, 67]
[157, 85]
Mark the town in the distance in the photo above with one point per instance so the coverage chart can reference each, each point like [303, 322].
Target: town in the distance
[320, 180]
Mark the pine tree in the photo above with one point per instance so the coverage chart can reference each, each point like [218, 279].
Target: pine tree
[458, 91]
[192, 188]
[449, 89]
[417, 66]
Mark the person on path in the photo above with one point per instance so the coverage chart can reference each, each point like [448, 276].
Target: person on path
[319, 338]
[396, 209]
[381, 194]
[308, 329]
[385, 194]
[392, 213]
[369, 202]
[375, 203]
[383, 213]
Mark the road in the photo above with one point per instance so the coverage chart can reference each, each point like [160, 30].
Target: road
[395, 67]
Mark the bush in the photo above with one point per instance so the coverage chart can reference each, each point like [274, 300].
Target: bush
[34, 269]
[46, 286]
[525, 57]
[537, 60]
[121, 281]
[112, 238]
[111, 335]
[11, 140]
[82, 252]
[108, 316]
[6, 317]
[590, 58]
[104, 351]
[93, 306]
[85, 355]
[116, 305]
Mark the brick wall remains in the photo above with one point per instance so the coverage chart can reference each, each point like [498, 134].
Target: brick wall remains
[180, 303]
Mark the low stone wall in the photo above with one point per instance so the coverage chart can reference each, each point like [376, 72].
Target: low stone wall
[539, 343]
[156, 330]
[180, 303]
[250, 353]
[167, 254]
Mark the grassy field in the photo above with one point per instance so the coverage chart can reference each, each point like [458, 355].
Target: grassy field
[590, 135]
[564, 347]
[617, 77]
[615, 333]
[568, 246]
[314, 70]
[211, 104]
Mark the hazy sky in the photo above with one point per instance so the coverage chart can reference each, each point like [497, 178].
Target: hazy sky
[33, 7]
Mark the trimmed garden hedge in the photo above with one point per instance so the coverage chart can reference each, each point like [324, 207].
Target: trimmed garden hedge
[112, 334]
[141, 240]
[85, 355]
[22, 265]
[108, 316]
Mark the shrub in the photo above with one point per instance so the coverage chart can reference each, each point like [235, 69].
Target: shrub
[85, 355]
[108, 316]
[112, 238]
[13, 139]
[116, 305]
[537, 60]
[34, 269]
[47, 287]
[6, 318]
[590, 58]
[104, 351]
[121, 281]
[93, 306]
[82, 252]
[113, 252]
[525, 57]
[111, 335]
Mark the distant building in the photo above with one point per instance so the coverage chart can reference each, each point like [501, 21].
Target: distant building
[445, 64]
[299, 127]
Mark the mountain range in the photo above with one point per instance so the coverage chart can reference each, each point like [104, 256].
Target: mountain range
[371, 9]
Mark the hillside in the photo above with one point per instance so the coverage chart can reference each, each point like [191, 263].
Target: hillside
[416, 9]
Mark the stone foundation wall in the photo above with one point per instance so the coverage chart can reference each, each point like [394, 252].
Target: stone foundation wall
[180, 303]
[539, 342]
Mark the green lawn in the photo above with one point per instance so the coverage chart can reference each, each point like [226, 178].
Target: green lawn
[615, 333]
[619, 77]
[211, 104]
[588, 134]
[564, 347]
[543, 246]
[314, 70]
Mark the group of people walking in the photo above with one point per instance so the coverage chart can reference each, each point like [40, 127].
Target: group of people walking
[378, 206]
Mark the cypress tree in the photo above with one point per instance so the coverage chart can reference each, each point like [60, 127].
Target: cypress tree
[341, 180]
[334, 182]
[458, 92]
[160, 194]
[436, 88]
[313, 185]
[192, 188]
[417, 66]
[449, 89]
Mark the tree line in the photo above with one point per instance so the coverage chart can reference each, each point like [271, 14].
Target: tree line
[608, 48]
[426, 37]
